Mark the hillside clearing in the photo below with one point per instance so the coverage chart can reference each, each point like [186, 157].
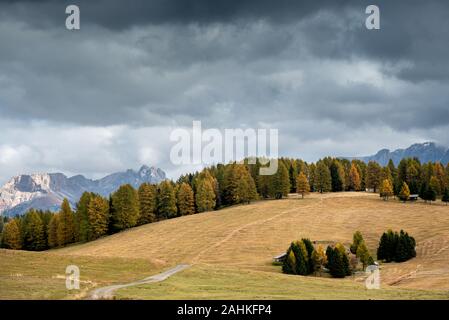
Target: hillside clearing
[214, 282]
[231, 252]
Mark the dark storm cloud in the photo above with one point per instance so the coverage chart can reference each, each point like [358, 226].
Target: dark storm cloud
[309, 68]
[115, 14]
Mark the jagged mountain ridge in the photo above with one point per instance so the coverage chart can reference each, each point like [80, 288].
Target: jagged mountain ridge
[425, 152]
[47, 190]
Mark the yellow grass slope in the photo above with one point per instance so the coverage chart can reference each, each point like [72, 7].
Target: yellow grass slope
[247, 237]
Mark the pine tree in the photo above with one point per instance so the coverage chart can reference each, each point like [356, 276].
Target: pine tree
[125, 203]
[312, 177]
[393, 239]
[337, 176]
[319, 259]
[440, 176]
[186, 202]
[147, 203]
[386, 175]
[424, 191]
[245, 188]
[354, 178]
[46, 217]
[33, 234]
[392, 169]
[344, 258]
[382, 248]
[82, 229]
[252, 192]
[289, 264]
[310, 249]
[98, 213]
[302, 185]
[363, 254]
[373, 174]
[445, 197]
[411, 244]
[293, 174]
[433, 189]
[357, 239]
[338, 262]
[11, 238]
[329, 256]
[405, 192]
[205, 195]
[386, 190]
[66, 225]
[166, 201]
[53, 227]
[302, 260]
[401, 252]
[323, 181]
[397, 247]
[280, 185]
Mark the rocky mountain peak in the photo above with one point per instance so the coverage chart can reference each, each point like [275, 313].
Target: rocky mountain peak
[47, 190]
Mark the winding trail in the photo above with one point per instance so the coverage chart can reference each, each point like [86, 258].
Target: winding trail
[108, 292]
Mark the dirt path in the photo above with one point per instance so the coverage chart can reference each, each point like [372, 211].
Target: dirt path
[108, 292]
[196, 259]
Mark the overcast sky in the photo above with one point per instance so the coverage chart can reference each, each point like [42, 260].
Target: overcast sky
[105, 98]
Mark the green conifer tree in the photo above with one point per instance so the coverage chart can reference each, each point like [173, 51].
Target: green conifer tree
[289, 264]
[147, 203]
[363, 255]
[53, 227]
[82, 227]
[66, 225]
[186, 202]
[11, 237]
[404, 195]
[301, 255]
[33, 234]
[323, 181]
[445, 197]
[98, 213]
[337, 176]
[125, 203]
[205, 195]
[166, 200]
[302, 185]
[357, 239]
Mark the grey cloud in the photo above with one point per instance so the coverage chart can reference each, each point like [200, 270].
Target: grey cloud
[309, 68]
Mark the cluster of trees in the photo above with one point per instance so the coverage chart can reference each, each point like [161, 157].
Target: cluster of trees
[95, 216]
[303, 258]
[29, 231]
[338, 261]
[219, 186]
[40, 230]
[336, 175]
[360, 250]
[429, 180]
[394, 246]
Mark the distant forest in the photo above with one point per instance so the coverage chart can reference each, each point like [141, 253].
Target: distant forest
[213, 188]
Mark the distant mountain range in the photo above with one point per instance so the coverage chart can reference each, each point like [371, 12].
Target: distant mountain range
[46, 191]
[425, 152]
